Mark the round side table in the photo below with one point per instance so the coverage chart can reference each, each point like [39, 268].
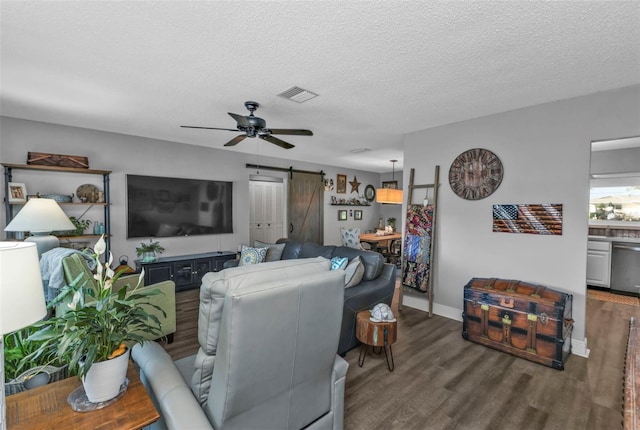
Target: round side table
[375, 334]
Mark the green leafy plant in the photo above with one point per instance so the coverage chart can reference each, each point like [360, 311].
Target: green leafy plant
[153, 247]
[391, 221]
[80, 224]
[19, 353]
[100, 320]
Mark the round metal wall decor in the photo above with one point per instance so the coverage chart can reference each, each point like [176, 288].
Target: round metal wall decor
[475, 174]
[369, 193]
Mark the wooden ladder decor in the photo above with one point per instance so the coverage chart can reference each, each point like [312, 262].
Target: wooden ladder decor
[418, 262]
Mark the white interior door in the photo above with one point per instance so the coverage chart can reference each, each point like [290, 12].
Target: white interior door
[266, 216]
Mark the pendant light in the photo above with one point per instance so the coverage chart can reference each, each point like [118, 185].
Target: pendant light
[390, 195]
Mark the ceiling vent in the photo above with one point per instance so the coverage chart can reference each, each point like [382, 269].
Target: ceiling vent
[359, 150]
[297, 94]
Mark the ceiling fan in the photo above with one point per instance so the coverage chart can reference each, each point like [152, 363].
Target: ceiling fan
[253, 126]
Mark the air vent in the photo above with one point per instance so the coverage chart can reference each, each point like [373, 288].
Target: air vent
[359, 150]
[297, 94]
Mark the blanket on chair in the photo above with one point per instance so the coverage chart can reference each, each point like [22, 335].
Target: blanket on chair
[51, 265]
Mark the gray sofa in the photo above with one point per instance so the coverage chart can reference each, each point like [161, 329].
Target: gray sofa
[377, 286]
[268, 335]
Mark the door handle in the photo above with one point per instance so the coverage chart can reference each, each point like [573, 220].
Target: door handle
[290, 227]
[627, 247]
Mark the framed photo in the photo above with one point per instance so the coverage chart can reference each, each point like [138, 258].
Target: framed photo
[17, 192]
[390, 184]
[342, 215]
[341, 184]
[357, 215]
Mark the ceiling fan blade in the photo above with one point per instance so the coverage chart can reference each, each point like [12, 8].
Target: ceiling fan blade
[209, 128]
[276, 141]
[241, 120]
[291, 131]
[236, 140]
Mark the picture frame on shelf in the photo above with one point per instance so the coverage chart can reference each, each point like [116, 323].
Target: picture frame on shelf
[357, 215]
[341, 183]
[342, 214]
[17, 192]
[390, 184]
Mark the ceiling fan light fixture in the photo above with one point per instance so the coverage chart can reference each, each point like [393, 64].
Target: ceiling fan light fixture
[390, 195]
[297, 94]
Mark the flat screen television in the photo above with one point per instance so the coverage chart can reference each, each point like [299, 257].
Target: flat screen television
[164, 207]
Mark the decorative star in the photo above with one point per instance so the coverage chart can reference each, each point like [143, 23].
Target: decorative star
[355, 185]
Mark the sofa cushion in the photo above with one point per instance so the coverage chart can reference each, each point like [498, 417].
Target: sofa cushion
[274, 250]
[250, 255]
[373, 261]
[350, 237]
[311, 250]
[353, 273]
[339, 263]
[291, 249]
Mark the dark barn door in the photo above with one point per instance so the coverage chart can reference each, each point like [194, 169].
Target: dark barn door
[305, 208]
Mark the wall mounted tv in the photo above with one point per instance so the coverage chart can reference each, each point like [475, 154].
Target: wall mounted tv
[163, 207]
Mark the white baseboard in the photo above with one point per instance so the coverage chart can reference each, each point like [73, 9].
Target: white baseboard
[578, 347]
[438, 309]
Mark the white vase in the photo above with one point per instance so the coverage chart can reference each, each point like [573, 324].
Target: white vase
[104, 379]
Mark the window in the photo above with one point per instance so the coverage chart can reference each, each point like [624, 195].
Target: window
[621, 203]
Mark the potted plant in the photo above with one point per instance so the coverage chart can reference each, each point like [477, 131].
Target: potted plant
[148, 252]
[22, 369]
[99, 328]
[392, 222]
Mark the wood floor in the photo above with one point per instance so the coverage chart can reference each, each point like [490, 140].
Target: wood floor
[441, 381]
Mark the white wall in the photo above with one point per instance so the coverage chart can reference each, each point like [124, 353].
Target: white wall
[124, 154]
[545, 151]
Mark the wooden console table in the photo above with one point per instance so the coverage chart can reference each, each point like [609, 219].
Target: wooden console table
[46, 408]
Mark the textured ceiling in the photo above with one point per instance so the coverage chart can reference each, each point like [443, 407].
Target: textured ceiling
[381, 68]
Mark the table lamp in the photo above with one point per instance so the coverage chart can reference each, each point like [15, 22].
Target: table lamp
[41, 217]
[21, 296]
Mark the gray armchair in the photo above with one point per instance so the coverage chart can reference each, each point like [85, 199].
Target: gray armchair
[268, 337]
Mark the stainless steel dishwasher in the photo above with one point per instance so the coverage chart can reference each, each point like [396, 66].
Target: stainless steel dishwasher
[625, 267]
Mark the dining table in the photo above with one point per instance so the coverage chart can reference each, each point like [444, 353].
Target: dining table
[380, 241]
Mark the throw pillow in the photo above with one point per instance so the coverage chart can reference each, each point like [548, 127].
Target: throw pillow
[274, 250]
[339, 263]
[250, 255]
[354, 273]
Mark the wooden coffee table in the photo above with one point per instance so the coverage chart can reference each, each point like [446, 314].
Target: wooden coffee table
[375, 334]
[46, 408]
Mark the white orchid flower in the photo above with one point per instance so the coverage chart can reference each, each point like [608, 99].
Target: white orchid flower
[74, 302]
[101, 246]
[98, 275]
[110, 273]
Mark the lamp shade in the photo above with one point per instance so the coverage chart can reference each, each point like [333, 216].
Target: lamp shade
[21, 292]
[40, 216]
[389, 195]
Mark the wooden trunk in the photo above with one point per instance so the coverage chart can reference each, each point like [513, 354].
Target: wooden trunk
[527, 320]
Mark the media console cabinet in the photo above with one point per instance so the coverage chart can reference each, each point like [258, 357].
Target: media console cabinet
[185, 270]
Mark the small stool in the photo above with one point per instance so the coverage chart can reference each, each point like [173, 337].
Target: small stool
[375, 334]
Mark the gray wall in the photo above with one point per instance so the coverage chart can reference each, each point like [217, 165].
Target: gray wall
[545, 151]
[123, 154]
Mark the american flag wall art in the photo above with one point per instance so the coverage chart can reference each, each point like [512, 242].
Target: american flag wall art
[528, 218]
